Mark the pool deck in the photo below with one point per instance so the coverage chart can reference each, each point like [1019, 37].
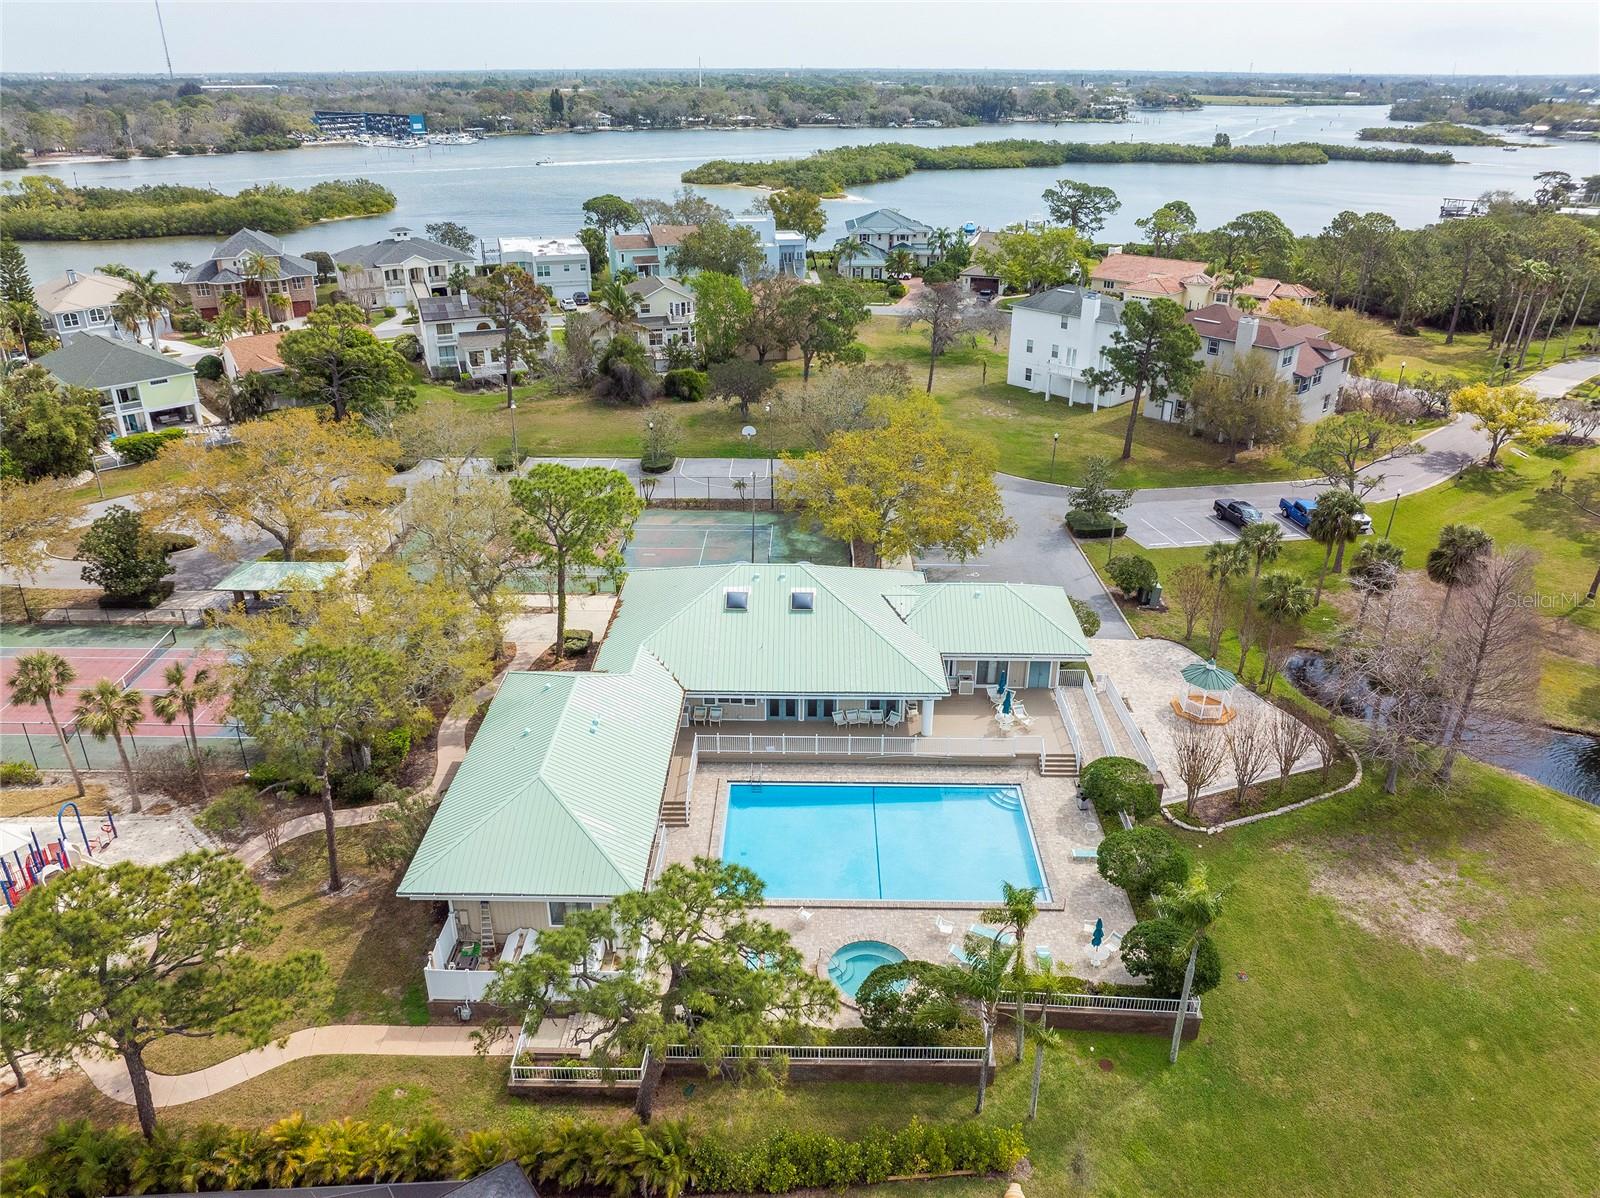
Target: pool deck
[1078, 894]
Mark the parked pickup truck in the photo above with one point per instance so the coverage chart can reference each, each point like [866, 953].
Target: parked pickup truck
[1237, 512]
[1298, 512]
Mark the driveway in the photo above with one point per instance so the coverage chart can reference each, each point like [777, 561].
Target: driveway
[1555, 381]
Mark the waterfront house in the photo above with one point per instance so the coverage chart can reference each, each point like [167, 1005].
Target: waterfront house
[396, 271]
[81, 301]
[665, 316]
[228, 271]
[460, 338]
[1191, 284]
[977, 278]
[558, 263]
[878, 234]
[562, 799]
[140, 389]
[783, 251]
[646, 254]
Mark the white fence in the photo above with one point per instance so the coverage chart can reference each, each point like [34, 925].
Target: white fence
[836, 1052]
[725, 744]
[1060, 697]
[1141, 747]
[452, 985]
[1102, 1002]
[624, 1075]
[1093, 702]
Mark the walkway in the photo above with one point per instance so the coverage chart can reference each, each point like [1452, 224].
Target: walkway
[1555, 381]
[110, 1077]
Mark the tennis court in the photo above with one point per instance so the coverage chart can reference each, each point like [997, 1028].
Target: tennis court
[676, 538]
[135, 658]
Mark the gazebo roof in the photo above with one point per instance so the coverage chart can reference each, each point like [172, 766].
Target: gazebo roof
[1209, 676]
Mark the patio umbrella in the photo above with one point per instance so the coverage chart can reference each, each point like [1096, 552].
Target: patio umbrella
[1006, 705]
[1001, 683]
[1209, 676]
[1099, 933]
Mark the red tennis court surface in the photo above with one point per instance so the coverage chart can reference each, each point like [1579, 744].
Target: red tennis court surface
[140, 667]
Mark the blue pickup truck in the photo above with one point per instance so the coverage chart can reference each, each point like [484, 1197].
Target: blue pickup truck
[1298, 512]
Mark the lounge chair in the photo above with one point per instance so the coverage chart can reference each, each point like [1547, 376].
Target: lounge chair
[714, 715]
[838, 718]
[804, 916]
[856, 716]
[995, 934]
[1018, 710]
[1006, 722]
[1089, 856]
[942, 925]
[996, 695]
[893, 720]
[697, 715]
[960, 955]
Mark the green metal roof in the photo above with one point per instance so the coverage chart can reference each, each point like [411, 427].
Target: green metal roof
[560, 794]
[278, 576]
[93, 360]
[1209, 676]
[852, 641]
[1007, 619]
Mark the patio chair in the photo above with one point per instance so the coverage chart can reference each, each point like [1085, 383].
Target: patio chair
[714, 715]
[697, 715]
[960, 955]
[942, 925]
[857, 716]
[839, 718]
[995, 934]
[874, 717]
[996, 695]
[893, 720]
[804, 916]
[1018, 710]
[1006, 722]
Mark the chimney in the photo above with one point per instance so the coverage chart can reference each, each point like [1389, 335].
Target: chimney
[1091, 306]
[1245, 338]
[72, 275]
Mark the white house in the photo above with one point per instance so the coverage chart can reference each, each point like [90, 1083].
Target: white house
[878, 234]
[440, 323]
[559, 263]
[140, 389]
[81, 302]
[783, 251]
[1057, 335]
[665, 316]
[396, 271]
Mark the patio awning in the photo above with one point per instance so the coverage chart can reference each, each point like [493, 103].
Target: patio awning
[1209, 676]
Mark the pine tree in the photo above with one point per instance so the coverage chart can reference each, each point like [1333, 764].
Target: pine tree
[16, 285]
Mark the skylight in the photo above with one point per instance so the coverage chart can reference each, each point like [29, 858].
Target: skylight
[736, 599]
[802, 599]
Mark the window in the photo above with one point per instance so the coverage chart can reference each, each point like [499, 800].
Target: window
[1055, 351]
[447, 355]
[736, 599]
[1327, 402]
[1213, 346]
[1027, 374]
[656, 339]
[1072, 355]
[394, 276]
[127, 395]
[202, 288]
[98, 316]
[1107, 284]
[445, 329]
[560, 911]
[1030, 345]
[158, 382]
[1316, 376]
[541, 270]
[679, 310]
[1301, 385]
[69, 320]
[566, 268]
[1288, 357]
[802, 600]
[864, 238]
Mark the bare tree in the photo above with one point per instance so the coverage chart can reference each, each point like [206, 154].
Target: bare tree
[1194, 591]
[1248, 739]
[1492, 676]
[1291, 739]
[1198, 753]
[940, 306]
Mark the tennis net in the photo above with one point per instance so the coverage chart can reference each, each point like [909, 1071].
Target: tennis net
[167, 641]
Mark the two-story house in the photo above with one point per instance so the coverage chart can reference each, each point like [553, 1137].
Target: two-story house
[558, 263]
[1302, 356]
[1191, 284]
[460, 339]
[140, 388]
[81, 302]
[783, 251]
[1057, 335]
[646, 254]
[231, 270]
[396, 271]
[665, 316]
[878, 234]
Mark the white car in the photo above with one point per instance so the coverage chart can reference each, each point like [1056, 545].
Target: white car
[569, 304]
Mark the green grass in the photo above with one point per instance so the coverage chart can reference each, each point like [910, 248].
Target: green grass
[1407, 1008]
[1468, 357]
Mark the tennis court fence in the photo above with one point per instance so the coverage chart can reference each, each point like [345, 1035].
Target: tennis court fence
[36, 741]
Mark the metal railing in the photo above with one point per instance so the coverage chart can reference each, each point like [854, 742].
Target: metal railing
[1060, 696]
[1141, 747]
[36, 741]
[721, 744]
[837, 1052]
[1095, 714]
[622, 1075]
[1132, 1003]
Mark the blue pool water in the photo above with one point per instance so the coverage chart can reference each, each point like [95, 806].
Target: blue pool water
[850, 966]
[905, 843]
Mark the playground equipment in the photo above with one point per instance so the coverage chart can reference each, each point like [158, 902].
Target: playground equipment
[25, 863]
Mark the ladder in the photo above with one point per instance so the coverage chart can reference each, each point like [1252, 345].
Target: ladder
[485, 928]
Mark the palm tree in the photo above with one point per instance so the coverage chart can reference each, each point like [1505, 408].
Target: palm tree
[229, 320]
[183, 700]
[1225, 561]
[1263, 542]
[1043, 1038]
[279, 302]
[257, 321]
[256, 268]
[846, 251]
[1457, 558]
[1333, 523]
[899, 262]
[982, 981]
[1194, 906]
[1019, 907]
[1376, 569]
[43, 677]
[128, 312]
[1232, 281]
[14, 316]
[1285, 600]
[617, 304]
[145, 297]
[106, 710]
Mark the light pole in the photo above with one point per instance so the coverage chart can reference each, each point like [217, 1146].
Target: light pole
[1055, 442]
[1401, 381]
[772, 465]
[515, 461]
[1390, 526]
[748, 432]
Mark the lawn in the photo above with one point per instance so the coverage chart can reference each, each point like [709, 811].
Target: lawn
[1407, 1008]
[1504, 503]
[1468, 357]
[373, 944]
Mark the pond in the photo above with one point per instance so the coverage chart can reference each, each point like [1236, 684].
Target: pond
[1564, 761]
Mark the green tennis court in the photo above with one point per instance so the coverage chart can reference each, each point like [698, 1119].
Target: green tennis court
[676, 538]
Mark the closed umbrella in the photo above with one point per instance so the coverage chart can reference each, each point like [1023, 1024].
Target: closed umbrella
[1002, 680]
[1099, 933]
[1006, 704]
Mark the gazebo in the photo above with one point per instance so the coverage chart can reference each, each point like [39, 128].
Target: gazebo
[1205, 693]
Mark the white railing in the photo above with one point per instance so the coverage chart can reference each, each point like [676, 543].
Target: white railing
[738, 744]
[1141, 747]
[1060, 697]
[1095, 714]
[837, 1052]
[621, 1075]
[1102, 1002]
[689, 773]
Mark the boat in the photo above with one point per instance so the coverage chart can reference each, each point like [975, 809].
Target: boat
[543, 161]
[1509, 149]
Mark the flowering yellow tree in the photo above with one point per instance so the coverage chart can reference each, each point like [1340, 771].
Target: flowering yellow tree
[1506, 414]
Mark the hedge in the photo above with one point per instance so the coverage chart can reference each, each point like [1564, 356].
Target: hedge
[79, 1160]
[1082, 524]
[1115, 784]
[685, 385]
[144, 447]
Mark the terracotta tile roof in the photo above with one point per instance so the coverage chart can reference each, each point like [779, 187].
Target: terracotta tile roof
[1166, 275]
[1266, 290]
[1222, 322]
[631, 241]
[254, 354]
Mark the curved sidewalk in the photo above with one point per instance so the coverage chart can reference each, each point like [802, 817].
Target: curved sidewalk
[110, 1077]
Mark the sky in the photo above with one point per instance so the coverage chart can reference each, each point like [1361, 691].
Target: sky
[1362, 37]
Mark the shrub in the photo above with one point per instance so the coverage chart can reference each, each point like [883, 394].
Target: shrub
[906, 1002]
[209, 368]
[232, 815]
[144, 447]
[355, 789]
[1142, 860]
[409, 347]
[187, 322]
[1135, 576]
[18, 773]
[390, 310]
[1153, 949]
[576, 643]
[1090, 525]
[503, 461]
[1088, 618]
[125, 559]
[390, 750]
[686, 386]
[894, 289]
[175, 542]
[1116, 784]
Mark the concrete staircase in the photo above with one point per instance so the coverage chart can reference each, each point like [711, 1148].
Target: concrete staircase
[1059, 765]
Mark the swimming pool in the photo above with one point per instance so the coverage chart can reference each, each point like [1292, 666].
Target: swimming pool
[899, 843]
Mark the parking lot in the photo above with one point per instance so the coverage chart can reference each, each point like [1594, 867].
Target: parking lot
[1168, 524]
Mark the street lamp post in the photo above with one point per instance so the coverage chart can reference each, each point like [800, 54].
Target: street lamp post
[1401, 381]
[748, 432]
[1390, 526]
[1055, 441]
[772, 466]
